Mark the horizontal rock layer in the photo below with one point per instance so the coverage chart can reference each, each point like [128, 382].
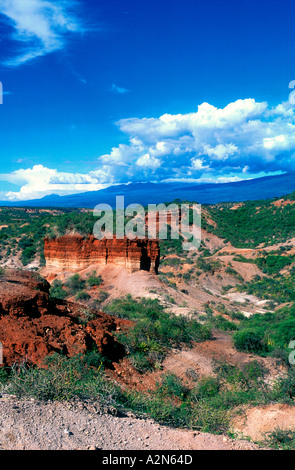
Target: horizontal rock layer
[74, 252]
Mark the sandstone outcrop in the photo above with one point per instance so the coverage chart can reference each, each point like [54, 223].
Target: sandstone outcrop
[32, 326]
[74, 252]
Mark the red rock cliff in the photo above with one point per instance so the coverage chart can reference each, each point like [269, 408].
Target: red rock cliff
[73, 252]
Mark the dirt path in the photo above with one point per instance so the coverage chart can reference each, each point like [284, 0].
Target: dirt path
[32, 425]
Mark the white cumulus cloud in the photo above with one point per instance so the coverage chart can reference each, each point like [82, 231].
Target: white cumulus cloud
[40, 181]
[148, 161]
[245, 138]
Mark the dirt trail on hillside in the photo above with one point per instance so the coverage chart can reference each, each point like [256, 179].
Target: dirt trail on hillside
[32, 425]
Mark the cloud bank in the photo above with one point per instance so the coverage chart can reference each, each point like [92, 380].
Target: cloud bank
[243, 140]
[40, 181]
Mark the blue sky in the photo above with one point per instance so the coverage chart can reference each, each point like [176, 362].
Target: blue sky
[107, 92]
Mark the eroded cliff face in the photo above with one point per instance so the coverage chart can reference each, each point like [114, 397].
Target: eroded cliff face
[74, 252]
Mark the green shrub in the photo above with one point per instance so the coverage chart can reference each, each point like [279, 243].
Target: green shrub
[172, 386]
[222, 324]
[249, 341]
[75, 284]
[207, 387]
[57, 291]
[205, 417]
[83, 295]
[254, 370]
[4, 375]
[281, 439]
[86, 315]
[95, 359]
[94, 280]
[103, 296]
[284, 332]
[273, 264]
[277, 329]
[141, 361]
[286, 385]
[231, 271]
[28, 255]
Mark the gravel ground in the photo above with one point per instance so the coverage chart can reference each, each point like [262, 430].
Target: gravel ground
[33, 425]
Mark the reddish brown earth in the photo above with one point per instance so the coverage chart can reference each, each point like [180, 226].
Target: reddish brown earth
[257, 421]
[283, 202]
[201, 358]
[74, 252]
[32, 326]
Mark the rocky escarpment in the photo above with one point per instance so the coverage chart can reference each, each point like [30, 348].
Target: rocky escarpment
[74, 252]
[32, 326]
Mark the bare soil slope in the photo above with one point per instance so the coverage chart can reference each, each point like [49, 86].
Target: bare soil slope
[258, 421]
[30, 425]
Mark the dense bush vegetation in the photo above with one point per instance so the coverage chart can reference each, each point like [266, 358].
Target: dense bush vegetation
[273, 264]
[254, 222]
[57, 291]
[155, 330]
[250, 340]
[24, 229]
[93, 280]
[279, 288]
[267, 333]
[76, 286]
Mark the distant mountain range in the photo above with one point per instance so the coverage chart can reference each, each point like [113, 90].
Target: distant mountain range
[154, 193]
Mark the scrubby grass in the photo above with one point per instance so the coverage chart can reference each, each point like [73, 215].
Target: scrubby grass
[190, 413]
[279, 288]
[269, 333]
[253, 223]
[208, 406]
[218, 322]
[281, 439]
[61, 378]
[155, 330]
[75, 284]
[57, 291]
[93, 280]
[83, 295]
